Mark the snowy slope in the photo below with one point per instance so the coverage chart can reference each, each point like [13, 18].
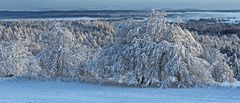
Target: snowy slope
[62, 92]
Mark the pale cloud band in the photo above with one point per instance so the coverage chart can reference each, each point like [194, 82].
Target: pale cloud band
[116, 4]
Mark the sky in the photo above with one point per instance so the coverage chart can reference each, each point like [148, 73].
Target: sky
[116, 4]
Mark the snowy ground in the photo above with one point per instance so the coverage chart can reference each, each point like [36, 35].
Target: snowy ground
[63, 92]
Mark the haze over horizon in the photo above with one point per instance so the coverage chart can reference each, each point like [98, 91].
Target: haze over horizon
[116, 4]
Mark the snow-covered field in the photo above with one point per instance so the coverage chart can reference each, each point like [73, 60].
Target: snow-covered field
[53, 19]
[69, 92]
[230, 17]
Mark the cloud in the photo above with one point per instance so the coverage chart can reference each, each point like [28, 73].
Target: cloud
[117, 4]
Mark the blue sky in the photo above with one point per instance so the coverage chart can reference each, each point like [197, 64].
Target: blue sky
[116, 4]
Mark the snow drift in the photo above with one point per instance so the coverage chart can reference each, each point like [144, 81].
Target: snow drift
[145, 53]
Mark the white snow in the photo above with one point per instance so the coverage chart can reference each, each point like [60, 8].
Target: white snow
[52, 19]
[230, 17]
[227, 84]
[12, 91]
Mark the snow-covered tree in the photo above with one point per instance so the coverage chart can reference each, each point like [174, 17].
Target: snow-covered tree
[154, 52]
[15, 60]
[150, 52]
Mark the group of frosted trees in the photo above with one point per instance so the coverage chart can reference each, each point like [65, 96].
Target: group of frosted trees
[16, 60]
[223, 52]
[153, 52]
[58, 48]
[131, 52]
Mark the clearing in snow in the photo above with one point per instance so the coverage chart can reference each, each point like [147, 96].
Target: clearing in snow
[68, 92]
